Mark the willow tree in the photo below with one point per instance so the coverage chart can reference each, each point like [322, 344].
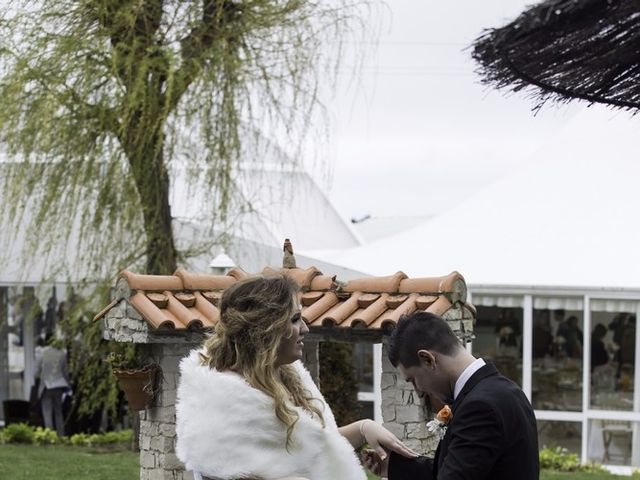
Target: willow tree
[100, 99]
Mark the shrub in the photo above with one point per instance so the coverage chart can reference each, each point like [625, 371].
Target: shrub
[560, 459]
[338, 381]
[45, 436]
[120, 436]
[83, 439]
[18, 433]
[79, 439]
[23, 433]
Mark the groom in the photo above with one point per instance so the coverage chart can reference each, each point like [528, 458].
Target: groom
[492, 432]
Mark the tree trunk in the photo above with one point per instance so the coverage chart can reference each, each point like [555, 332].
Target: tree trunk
[153, 187]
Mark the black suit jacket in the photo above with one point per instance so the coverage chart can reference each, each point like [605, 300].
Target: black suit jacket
[492, 435]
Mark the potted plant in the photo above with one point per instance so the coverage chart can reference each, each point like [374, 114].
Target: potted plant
[137, 377]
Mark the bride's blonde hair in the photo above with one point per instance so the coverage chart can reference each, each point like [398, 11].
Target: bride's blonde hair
[255, 315]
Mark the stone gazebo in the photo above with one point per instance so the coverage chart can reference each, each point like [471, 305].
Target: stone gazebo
[172, 314]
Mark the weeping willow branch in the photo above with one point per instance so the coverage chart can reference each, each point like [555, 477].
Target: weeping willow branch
[99, 99]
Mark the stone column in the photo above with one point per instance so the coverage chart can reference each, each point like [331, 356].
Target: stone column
[158, 460]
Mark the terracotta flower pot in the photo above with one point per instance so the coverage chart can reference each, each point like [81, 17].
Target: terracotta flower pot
[138, 385]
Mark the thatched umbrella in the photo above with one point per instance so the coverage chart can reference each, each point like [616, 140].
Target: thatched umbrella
[565, 50]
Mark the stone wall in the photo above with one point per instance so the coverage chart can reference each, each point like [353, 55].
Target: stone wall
[158, 460]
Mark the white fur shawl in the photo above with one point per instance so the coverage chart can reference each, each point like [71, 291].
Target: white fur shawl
[227, 429]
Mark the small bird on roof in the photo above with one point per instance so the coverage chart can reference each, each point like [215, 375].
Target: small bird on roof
[288, 260]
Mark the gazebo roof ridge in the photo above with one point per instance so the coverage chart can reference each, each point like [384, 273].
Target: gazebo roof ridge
[190, 301]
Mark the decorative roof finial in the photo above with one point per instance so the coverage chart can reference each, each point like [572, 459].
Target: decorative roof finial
[288, 260]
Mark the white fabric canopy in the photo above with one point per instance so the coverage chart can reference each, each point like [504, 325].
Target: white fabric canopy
[570, 218]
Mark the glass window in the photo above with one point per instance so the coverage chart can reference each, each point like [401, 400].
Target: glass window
[498, 339]
[554, 434]
[613, 346]
[611, 442]
[556, 380]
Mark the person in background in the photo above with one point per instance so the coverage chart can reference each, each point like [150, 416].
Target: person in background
[54, 381]
[542, 344]
[507, 331]
[572, 336]
[599, 355]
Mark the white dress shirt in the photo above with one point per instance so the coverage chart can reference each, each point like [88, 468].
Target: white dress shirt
[466, 374]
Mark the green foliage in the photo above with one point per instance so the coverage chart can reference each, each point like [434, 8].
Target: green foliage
[94, 386]
[560, 459]
[45, 436]
[337, 381]
[17, 433]
[97, 97]
[24, 433]
[91, 440]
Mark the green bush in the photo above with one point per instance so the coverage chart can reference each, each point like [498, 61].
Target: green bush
[79, 439]
[23, 433]
[83, 439]
[120, 436]
[18, 433]
[560, 459]
[338, 381]
[45, 436]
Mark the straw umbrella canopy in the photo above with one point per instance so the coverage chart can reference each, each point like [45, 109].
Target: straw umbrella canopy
[562, 50]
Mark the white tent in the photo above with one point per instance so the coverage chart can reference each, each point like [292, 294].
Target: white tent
[568, 219]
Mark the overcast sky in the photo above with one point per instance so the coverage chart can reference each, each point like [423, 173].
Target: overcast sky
[419, 133]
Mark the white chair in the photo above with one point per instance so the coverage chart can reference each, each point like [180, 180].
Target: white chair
[616, 429]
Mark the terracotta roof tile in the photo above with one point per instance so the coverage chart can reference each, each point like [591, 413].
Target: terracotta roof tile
[371, 309]
[156, 317]
[315, 312]
[151, 282]
[322, 282]
[441, 305]
[192, 281]
[191, 301]
[375, 284]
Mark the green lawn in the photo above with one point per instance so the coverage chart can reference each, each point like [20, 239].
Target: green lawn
[547, 475]
[28, 462]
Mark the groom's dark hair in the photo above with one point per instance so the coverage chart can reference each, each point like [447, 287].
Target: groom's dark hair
[420, 331]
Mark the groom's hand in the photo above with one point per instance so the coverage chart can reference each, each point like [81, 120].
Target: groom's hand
[374, 462]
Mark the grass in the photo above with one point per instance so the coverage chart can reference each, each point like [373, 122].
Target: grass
[26, 462]
[551, 475]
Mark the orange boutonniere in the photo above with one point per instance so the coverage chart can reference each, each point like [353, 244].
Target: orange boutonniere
[438, 426]
[444, 415]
